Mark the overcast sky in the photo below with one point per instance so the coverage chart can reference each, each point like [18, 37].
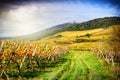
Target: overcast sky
[21, 18]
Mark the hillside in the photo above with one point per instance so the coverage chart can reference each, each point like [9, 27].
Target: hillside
[64, 55]
[92, 24]
[79, 40]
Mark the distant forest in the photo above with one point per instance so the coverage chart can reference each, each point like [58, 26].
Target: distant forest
[93, 24]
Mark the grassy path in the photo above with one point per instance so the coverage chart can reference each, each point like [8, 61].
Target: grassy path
[80, 65]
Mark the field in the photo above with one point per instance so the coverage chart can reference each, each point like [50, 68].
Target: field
[81, 65]
[79, 40]
[69, 55]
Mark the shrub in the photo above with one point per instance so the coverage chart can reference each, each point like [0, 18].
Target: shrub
[88, 35]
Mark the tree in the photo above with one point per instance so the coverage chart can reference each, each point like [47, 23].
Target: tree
[88, 35]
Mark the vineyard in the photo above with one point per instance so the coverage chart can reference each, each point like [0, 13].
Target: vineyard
[23, 60]
[63, 57]
[26, 55]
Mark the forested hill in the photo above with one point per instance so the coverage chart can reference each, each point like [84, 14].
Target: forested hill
[93, 24]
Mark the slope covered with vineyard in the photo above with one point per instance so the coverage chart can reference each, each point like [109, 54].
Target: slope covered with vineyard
[72, 55]
[79, 40]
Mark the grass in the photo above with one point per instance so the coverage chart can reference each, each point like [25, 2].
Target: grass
[79, 65]
[98, 71]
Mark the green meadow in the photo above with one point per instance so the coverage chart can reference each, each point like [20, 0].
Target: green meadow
[78, 65]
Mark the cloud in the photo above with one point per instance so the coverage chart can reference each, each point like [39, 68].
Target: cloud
[32, 17]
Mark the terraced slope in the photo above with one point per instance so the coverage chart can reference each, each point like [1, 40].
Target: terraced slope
[80, 65]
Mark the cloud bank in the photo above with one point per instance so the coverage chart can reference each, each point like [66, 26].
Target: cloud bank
[35, 16]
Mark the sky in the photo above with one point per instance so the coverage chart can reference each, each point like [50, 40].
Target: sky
[28, 16]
